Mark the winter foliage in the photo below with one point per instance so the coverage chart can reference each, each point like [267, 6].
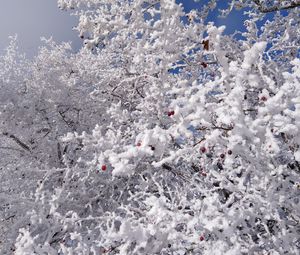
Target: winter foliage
[162, 135]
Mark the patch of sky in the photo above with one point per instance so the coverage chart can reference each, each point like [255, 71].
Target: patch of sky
[33, 19]
[234, 22]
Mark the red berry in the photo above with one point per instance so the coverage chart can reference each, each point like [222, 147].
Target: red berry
[103, 167]
[203, 173]
[204, 64]
[138, 144]
[222, 155]
[263, 98]
[171, 113]
[229, 152]
[201, 238]
[203, 149]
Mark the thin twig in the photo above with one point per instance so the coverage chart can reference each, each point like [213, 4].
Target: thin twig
[18, 141]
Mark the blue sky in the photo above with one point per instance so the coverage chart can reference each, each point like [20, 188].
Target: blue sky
[232, 23]
[32, 19]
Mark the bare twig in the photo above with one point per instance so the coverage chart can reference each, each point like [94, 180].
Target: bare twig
[201, 140]
[150, 6]
[222, 127]
[18, 141]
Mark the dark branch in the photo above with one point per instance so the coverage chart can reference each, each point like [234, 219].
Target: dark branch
[275, 8]
[18, 141]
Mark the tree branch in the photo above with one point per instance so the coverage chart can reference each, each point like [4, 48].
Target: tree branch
[18, 141]
[263, 9]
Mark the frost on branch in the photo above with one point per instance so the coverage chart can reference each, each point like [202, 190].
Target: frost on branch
[161, 135]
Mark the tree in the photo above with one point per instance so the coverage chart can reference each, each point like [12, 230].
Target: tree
[161, 136]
